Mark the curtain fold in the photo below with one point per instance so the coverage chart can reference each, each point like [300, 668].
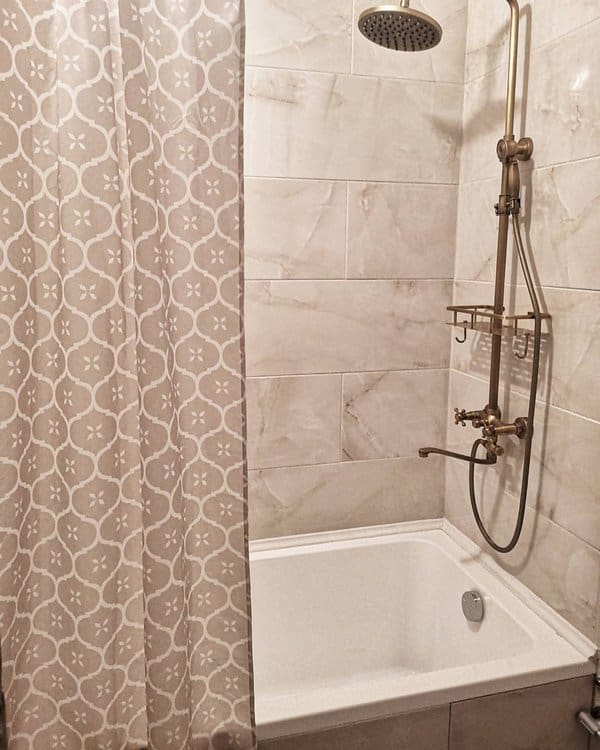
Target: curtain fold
[124, 593]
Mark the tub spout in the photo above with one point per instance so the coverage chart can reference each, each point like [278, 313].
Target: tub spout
[426, 452]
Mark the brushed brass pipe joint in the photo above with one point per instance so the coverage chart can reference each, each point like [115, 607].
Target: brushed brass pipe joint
[462, 417]
[509, 149]
[493, 448]
[495, 428]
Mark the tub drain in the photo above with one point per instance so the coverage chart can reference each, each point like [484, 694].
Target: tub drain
[472, 606]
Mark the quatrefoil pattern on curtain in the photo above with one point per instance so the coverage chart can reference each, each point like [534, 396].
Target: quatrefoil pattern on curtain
[123, 567]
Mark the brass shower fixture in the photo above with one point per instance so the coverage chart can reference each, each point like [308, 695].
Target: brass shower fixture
[398, 27]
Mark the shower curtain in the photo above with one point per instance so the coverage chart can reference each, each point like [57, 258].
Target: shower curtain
[124, 614]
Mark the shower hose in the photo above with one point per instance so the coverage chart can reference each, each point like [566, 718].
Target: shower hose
[530, 417]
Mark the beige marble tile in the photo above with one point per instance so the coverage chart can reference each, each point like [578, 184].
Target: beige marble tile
[303, 34]
[296, 327]
[393, 414]
[488, 38]
[294, 229]
[565, 472]
[304, 499]
[351, 127]
[556, 565]
[570, 356]
[561, 223]
[542, 21]
[564, 110]
[552, 19]
[422, 730]
[401, 231]
[561, 110]
[477, 231]
[445, 62]
[564, 223]
[575, 350]
[483, 125]
[540, 717]
[559, 568]
[293, 420]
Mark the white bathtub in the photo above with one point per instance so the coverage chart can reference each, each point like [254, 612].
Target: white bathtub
[355, 625]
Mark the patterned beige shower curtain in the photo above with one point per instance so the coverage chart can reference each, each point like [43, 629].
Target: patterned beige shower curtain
[123, 569]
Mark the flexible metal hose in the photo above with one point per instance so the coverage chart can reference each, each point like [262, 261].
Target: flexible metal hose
[537, 345]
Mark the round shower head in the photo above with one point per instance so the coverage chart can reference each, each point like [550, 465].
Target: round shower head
[400, 27]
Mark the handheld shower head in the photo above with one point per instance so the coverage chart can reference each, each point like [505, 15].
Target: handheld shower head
[399, 27]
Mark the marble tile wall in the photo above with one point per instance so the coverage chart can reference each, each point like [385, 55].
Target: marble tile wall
[352, 169]
[559, 557]
[365, 170]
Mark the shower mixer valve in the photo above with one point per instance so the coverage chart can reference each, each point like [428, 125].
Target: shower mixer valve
[492, 427]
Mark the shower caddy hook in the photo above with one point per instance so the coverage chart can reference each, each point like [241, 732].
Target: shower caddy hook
[491, 319]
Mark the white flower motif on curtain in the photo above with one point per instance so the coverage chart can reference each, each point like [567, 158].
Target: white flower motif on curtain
[124, 613]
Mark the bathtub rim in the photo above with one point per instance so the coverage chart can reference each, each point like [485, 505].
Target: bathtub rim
[260, 549]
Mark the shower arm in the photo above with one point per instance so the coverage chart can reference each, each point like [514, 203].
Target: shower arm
[509, 121]
[509, 152]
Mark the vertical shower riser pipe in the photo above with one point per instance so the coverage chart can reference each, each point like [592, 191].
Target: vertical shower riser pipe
[506, 192]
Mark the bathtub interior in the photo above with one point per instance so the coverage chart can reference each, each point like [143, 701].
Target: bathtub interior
[322, 617]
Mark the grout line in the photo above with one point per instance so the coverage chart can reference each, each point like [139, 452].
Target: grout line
[466, 52]
[349, 180]
[351, 278]
[338, 73]
[536, 168]
[352, 462]
[385, 279]
[353, 37]
[341, 447]
[347, 232]
[571, 32]
[523, 394]
[434, 368]
[343, 372]
[523, 286]
[488, 73]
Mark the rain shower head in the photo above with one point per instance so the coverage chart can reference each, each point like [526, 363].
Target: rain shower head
[399, 27]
